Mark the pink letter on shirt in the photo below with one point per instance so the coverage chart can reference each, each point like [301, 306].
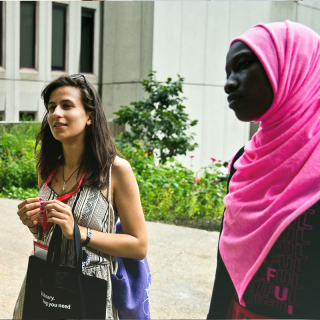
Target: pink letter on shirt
[269, 274]
[284, 294]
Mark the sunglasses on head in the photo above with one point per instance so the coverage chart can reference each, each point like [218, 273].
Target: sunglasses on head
[77, 76]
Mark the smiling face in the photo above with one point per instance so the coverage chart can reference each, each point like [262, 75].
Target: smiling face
[67, 116]
[249, 90]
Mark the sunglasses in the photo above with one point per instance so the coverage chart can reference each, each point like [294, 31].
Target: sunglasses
[77, 76]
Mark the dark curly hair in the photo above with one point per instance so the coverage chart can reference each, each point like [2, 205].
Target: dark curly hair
[100, 150]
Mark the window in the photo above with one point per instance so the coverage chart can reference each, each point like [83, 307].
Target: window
[1, 33]
[58, 53]
[27, 115]
[1, 115]
[28, 34]
[87, 29]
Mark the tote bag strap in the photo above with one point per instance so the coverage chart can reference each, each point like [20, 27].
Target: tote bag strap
[109, 222]
[111, 226]
[53, 258]
[54, 250]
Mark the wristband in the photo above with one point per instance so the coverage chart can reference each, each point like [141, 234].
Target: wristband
[88, 237]
[31, 230]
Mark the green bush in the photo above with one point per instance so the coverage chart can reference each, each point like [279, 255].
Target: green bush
[169, 192]
[23, 130]
[17, 159]
[159, 122]
[18, 193]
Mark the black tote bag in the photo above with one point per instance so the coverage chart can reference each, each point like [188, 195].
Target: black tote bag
[58, 292]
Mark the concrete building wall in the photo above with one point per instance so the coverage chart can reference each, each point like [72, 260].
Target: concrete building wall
[127, 51]
[192, 39]
[20, 89]
[308, 13]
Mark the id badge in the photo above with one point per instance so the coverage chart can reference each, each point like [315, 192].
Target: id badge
[40, 250]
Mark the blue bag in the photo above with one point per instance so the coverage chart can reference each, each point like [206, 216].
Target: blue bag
[131, 287]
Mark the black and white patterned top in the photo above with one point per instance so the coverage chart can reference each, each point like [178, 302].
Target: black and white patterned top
[90, 209]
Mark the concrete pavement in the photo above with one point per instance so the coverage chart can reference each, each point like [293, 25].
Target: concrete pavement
[182, 262]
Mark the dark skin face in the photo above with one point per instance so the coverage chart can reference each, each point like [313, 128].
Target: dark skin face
[249, 90]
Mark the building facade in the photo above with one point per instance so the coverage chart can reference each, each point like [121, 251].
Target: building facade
[40, 41]
[115, 44]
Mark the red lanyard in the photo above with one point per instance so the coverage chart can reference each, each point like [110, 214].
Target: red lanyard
[65, 196]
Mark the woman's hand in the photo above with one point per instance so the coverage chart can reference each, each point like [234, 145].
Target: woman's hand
[29, 210]
[61, 214]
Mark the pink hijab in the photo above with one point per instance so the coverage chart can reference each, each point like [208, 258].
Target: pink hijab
[278, 176]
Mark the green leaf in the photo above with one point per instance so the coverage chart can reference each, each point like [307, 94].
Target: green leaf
[158, 121]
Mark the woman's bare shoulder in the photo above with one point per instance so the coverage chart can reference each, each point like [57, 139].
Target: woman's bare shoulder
[121, 165]
[121, 171]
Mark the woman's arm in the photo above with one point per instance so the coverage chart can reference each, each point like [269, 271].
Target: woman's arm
[133, 243]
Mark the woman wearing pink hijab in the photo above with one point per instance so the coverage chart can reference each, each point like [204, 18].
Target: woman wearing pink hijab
[269, 249]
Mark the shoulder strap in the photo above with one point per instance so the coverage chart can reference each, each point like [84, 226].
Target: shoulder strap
[233, 170]
[111, 228]
[109, 187]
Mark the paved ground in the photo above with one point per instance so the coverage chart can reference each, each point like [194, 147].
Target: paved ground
[182, 263]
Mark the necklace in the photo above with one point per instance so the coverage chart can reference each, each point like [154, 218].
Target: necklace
[64, 186]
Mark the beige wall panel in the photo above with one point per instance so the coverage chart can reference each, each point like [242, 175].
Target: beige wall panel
[311, 4]
[213, 125]
[244, 15]
[127, 52]
[3, 94]
[8, 107]
[74, 40]
[147, 21]
[44, 42]
[11, 54]
[236, 133]
[128, 41]
[194, 107]
[123, 44]
[222, 132]
[119, 94]
[309, 17]
[193, 41]
[167, 39]
[283, 10]
[29, 95]
[217, 43]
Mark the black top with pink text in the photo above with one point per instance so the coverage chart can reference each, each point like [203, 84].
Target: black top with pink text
[287, 284]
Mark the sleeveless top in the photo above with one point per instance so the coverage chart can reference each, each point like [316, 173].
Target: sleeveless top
[90, 209]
